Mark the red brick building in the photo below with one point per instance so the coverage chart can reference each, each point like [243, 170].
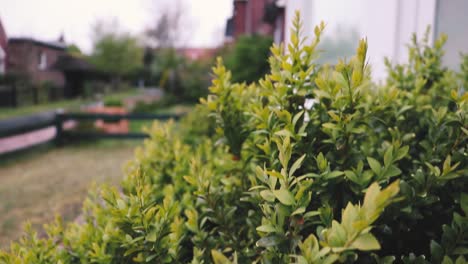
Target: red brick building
[3, 49]
[263, 17]
[198, 53]
[33, 59]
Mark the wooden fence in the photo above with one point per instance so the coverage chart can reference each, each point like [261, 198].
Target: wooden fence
[21, 125]
[16, 95]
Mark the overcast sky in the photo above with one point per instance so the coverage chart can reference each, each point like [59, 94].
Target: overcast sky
[47, 19]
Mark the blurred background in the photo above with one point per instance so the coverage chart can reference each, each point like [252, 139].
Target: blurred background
[79, 80]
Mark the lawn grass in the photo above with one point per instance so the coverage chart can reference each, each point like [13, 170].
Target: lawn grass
[178, 109]
[70, 105]
[37, 186]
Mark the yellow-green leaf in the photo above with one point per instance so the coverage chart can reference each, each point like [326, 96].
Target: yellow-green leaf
[219, 258]
[366, 242]
[284, 196]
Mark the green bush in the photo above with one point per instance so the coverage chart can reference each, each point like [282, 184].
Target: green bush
[364, 173]
[113, 102]
[179, 77]
[248, 58]
[166, 101]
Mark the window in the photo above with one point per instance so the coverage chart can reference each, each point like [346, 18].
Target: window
[42, 61]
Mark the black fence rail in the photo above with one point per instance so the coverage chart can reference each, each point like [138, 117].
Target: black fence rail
[27, 124]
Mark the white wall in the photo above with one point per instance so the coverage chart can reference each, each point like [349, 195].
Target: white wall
[452, 19]
[387, 24]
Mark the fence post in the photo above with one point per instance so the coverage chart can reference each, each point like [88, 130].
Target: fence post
[14, 101]
[35, 94]
[58, 128]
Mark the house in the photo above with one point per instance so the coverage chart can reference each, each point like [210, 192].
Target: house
[76, 71]
[263, 17]
[387, 25]
[3, 49]
[197, 53]
[33, 59]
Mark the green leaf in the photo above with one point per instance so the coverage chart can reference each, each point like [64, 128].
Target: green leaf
[437, 253]
[266, 228]
[331, 259]
[460, 260]
[374, 165]
[333, 174]
[402, 152]
[464, 130]
[366, 242]
[296, 117]
[284, 196]
[269, 241]
[336, 235]
[460, 251]
[296, 165]
[267, 195]
[447, 260]
[299, 210]
[322, 162]
[219, 258]
[152, 236]
[311, 214]
[351, 176]
[464, 203]
[388, 156]
[330, 126]
[284, 133]
[392, 171]
[151, 257]
[275, 174]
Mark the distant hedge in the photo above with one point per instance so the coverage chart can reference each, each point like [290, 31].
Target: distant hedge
[248, 58]
[311, 164]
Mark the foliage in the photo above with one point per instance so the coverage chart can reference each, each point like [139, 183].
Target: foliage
[164, 102]
[464, 71]
[187, 80]
[113, 102]
[74, 50]
[248, 59]
[115, 52]
[172, 27]
[312, 164]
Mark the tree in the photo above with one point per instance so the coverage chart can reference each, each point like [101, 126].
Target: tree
[115, 52]
[74, 50]
[170, 28]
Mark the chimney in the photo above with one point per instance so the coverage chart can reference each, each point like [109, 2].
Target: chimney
[61, 38]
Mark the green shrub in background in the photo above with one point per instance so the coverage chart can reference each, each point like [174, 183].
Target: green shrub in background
[179, 77]
[248, 58]
[113, 102]
[166, 101]
[312, 164]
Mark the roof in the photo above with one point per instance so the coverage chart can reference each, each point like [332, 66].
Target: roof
[73, 63]
[53, 45]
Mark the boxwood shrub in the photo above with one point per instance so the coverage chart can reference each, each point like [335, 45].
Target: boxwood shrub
[311, 164]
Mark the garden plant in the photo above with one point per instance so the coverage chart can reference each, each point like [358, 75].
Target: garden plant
[311, 164]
